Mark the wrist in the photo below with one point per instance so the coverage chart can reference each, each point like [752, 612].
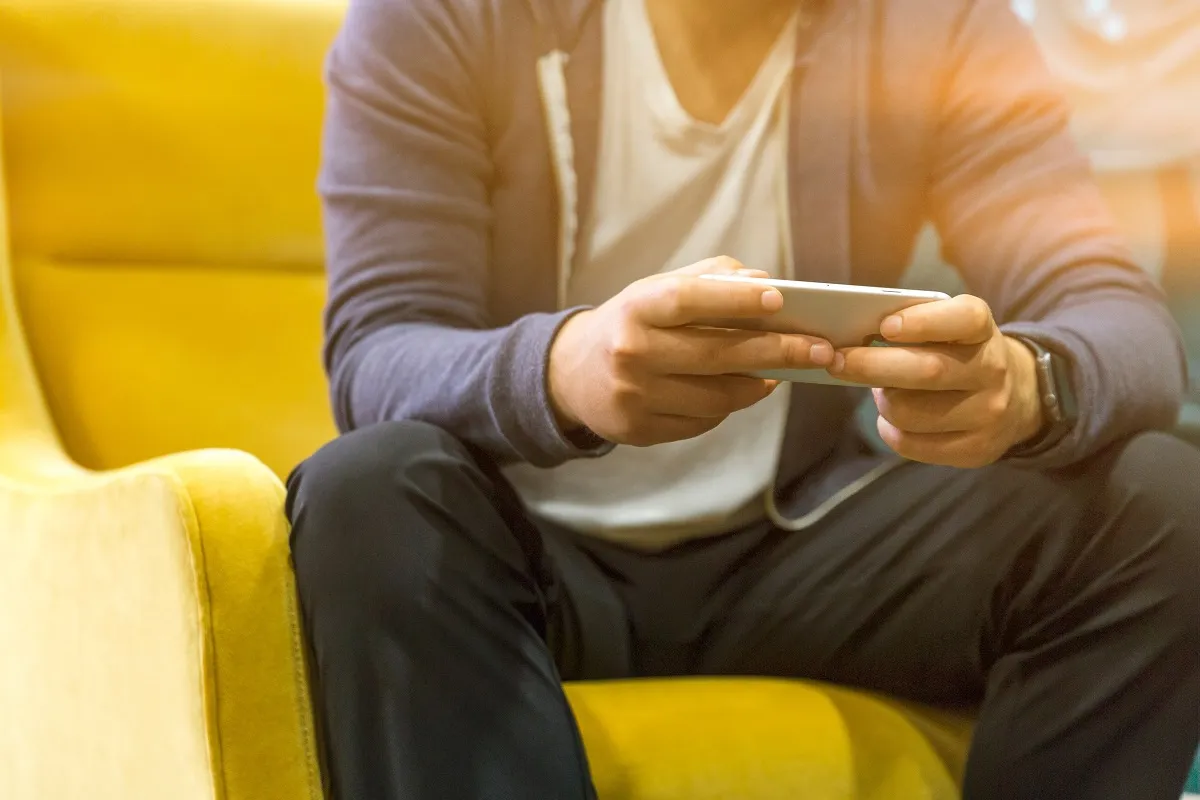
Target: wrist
[1030, 417]
[559, 369]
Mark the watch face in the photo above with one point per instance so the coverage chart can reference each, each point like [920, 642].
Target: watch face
[1063, 390]
[1048, 388]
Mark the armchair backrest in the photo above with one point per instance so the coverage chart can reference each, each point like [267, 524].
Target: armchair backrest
[26, 432]
[166, 252]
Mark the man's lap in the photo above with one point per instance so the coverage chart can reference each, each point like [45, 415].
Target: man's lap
[916, 586]
[1071, 600]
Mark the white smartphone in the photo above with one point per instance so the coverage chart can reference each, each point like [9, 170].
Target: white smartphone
[843, 315]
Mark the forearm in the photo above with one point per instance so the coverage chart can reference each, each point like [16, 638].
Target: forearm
[1022, 219]
[487, 387]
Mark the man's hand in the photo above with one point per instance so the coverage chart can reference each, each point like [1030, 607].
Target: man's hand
[633, 372]
[964, 399]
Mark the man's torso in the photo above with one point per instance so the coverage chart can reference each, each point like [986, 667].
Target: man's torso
[672, 190]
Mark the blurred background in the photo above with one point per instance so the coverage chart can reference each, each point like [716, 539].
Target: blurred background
[1131, 69]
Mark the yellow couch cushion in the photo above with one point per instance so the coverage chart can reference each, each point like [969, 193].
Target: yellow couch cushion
[151, 637]
[143, 360]
[166, 132]
[258, 679]
[721, 739]
[103, 636]
[165, 227]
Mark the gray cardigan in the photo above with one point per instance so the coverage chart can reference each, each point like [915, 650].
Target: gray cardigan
[459, 154]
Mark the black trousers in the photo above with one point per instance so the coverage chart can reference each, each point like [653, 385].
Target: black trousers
[443, 620]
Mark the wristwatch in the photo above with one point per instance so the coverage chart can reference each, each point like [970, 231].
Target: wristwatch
[1059, 408]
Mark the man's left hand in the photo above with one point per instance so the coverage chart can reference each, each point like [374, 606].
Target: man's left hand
[956, 391]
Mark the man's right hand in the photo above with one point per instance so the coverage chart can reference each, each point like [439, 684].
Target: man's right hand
[633, 372]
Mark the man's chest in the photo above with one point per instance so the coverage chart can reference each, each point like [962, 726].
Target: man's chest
[855, 162]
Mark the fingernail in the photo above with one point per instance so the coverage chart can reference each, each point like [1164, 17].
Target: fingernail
[839, 363]
[891, 326]
[821, 354]
[772, 300]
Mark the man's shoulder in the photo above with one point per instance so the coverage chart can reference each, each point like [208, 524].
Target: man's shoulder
[441, 46]
[939, 12]
[932, 37]
[480, 17]
[465, 22]
[493, 24]
[922, 21]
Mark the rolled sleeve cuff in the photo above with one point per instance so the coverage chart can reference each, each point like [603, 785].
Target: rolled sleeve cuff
[521, 400]
[1087, 434]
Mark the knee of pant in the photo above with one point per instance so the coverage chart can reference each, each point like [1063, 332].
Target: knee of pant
[353, 469]
[349, 500]
[1161, 475]
[1155, 486]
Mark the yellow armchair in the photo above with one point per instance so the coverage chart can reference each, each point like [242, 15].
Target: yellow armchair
[160, 288]
[149, 635]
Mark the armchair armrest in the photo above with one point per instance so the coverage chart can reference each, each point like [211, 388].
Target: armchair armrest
[150, 635]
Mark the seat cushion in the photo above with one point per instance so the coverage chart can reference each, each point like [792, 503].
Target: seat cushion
[717, 739]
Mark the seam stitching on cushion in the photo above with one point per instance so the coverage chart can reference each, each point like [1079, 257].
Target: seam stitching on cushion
[213, 744]
[303, 701]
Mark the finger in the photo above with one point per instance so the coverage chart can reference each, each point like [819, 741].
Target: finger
[718, 265]
[932, 367]
[707, 397]
[915, 411]
[964, 450]
[674, 300]
[710, 351]
[962, 320]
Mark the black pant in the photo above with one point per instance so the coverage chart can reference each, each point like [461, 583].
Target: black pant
[442, 620]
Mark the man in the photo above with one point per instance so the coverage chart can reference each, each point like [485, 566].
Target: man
[549, 474]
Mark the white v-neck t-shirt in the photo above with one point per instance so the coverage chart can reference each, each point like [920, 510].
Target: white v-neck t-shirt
[671, 191]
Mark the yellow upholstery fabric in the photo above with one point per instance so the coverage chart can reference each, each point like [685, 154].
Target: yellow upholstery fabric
[710, 739]
[149, 633]
[197, 123]
[263, 711]
[154, 360]
[151, 636]
[81, 657]
[166, 235]
[165, 264]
